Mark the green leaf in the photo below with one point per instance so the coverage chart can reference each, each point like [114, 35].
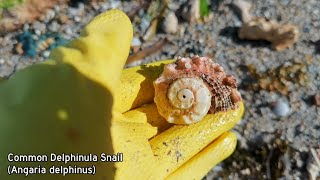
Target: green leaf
[4, 4]
[204, 8]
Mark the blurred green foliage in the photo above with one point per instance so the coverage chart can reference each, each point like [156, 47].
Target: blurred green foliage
[204, 8]
[4, 4]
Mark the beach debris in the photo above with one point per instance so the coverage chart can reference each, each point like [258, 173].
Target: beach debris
[154, 15]
[191, 87]
[45, 44]
[151, 30]
[147, 51]
[280, 78]
[30, 44]
[14, 17]
[281, 36]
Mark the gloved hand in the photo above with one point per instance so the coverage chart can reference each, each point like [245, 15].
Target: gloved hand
[82, 101]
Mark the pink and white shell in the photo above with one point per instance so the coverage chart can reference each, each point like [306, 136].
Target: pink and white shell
[191, 87]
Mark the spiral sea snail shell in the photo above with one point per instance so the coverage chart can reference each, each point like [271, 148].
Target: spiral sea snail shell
[191, 87]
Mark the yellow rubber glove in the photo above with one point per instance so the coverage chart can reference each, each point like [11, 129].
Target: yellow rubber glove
[82, 101]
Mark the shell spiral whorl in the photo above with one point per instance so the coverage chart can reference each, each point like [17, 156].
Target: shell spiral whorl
[191, 87]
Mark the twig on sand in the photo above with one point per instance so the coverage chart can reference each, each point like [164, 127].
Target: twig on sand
[147, 51]
[268, 166]
[313, 165]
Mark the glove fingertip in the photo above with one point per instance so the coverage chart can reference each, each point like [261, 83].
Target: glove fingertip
[199, 165]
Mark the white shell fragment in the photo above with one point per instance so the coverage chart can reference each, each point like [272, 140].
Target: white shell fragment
[191, 87]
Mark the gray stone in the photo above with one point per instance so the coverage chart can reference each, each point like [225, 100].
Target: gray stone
[281, 108]
[77, 19]
[50, 14]
[38, 26]
[54, 26]
[68, 31]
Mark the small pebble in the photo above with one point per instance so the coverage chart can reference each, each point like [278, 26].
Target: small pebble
[104, 7]
[317, 99]
[38, 26]
[72, 12]
[68, 31]
[10, 63]
[95, 6]
[141, 12]
[46, 54]
[316, 11]
[299, 162]
[281, 108]
[35, 37]
[57, 8]
[54, 26]
[115, 4]
[306, 28]
[81, 7]
[19, 49]
[144, 23]
[63, 19]
[170, 23]
[237, 22]
[26, 27]
[77, 19]
[50, 14]
[136, 42]
[191, 11]
[37, 32]
[245, 171]
[267, 14]
[217, 168]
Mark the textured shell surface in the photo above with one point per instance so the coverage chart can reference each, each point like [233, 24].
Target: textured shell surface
[190, 88]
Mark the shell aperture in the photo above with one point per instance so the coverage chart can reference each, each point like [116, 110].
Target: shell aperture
[191, 87]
